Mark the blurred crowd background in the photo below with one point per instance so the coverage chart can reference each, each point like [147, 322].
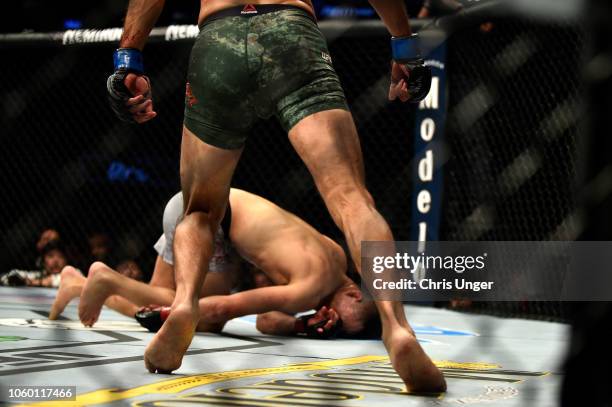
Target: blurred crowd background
[81, 225]
[527, 145]
[72, 171]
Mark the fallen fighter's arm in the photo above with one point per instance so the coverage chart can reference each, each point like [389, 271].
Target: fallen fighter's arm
[323, 324]
[276, 323]
[289, 299]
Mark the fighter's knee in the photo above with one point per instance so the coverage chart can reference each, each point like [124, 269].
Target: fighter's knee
[97, 267]
[67, 270]
[265, 324]
[70, 272]
[198, 221]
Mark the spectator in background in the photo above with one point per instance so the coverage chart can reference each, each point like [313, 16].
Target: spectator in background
[130, 268]
[45, 237]
[53, 260]
[101, 248]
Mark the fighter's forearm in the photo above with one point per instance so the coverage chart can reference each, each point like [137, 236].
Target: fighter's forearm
[289, 299]
[393, 14]
[276, 323]
[140, 18]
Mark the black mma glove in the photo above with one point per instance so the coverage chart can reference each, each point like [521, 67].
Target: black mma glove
[152, 317]
[126, 60]
[406, 52]
[303, 328]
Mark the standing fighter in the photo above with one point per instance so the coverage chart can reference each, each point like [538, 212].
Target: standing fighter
[255, 60]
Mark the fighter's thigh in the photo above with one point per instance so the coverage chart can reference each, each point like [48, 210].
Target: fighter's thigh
[328, 144]
[206, 172]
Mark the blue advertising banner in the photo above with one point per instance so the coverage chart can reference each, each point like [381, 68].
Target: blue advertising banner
[427, 169]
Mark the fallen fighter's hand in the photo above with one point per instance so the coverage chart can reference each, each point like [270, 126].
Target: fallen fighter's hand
[323, 324]
[152, 317]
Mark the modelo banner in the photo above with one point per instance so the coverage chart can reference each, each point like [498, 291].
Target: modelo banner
[427, 163]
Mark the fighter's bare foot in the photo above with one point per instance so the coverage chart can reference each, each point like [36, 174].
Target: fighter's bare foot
[165, 352]
[412, 363]
[71, 285]
[95, 292]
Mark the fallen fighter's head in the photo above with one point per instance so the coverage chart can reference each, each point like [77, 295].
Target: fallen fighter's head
[359, 316]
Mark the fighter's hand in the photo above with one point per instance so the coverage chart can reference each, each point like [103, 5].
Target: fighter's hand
[323, 324]
[410, 77]
[141, 105]
[129, 95]
[129, 90]
[399, 87]
[324, 320]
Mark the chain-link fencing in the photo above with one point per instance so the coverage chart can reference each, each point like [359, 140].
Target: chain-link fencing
[511, 129]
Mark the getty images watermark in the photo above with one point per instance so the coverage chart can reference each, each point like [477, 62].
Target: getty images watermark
[488, 271]
[406, 263]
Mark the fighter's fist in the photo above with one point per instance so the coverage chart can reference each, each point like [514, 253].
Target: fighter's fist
[398, 89]
[410, 77]
[129, 91]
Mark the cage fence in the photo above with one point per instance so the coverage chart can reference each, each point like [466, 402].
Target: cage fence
[511, 129]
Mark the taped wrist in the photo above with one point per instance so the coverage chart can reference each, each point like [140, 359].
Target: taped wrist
[406, 50]
[129, 59]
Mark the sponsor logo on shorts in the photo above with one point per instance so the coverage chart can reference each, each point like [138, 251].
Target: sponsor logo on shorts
[249, 9]
[326, 57]
[191, 100]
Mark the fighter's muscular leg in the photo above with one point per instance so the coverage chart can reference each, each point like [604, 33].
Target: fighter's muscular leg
[206, 172]
[71, 285]
[328, 144]
[103, 283]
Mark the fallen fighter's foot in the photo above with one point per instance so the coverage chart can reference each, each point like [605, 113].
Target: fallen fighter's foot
[165, 352]
[96, 291]
[412, 363]
[71, 285]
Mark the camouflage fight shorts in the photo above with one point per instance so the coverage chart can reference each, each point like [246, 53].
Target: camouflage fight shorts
[254, 62]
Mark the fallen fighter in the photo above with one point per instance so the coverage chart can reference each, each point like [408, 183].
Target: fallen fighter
[307, 268]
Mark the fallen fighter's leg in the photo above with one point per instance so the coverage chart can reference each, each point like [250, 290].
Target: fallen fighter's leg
[71, 285]
[103, 282]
